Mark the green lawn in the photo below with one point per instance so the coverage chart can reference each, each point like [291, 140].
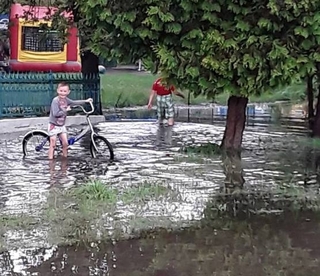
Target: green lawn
[126, 89]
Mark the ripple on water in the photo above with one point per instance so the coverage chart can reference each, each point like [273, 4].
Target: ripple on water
[25, 183]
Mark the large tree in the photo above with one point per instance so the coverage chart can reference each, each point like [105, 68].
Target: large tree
[208, 47]
[235, 46]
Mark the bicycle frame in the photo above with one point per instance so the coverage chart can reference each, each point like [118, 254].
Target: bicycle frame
[79, 136]
[88, 128]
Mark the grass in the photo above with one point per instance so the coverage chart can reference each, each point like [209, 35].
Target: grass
[132, 89]
[81, 214]
[208, 150]
[87, 213]
[123, 89]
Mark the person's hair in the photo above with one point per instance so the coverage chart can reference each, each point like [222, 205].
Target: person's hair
[63, 83]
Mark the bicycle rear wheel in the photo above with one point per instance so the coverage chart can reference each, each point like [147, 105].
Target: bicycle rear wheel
[104, 148]
[35, 143]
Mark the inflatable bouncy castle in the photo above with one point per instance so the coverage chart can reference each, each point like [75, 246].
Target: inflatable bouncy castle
[31, 50]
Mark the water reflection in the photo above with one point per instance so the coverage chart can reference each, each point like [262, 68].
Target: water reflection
[164, 135]
[282, 245]
[232, 168]
[274, 159]
[58, 170]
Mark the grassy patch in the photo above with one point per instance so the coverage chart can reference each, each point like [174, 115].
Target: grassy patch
[123, 89]
[308, 142]
[209, 149]
[81, 214]
[132, 89]
[201, 154]
[294, 93]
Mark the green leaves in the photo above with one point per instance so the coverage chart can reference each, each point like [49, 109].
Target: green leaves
[265, 23]
[239, 47]
[278, 51]
[243, 26]
[301, 31]
[174, 28]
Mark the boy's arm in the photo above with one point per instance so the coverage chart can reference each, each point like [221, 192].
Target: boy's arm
[56, 110]
[152, 94]
[77, 102]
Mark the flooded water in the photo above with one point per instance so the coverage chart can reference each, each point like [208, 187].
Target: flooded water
[276, 159]
[284, 245]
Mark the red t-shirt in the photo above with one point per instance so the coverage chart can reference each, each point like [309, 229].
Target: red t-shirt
[160, 89]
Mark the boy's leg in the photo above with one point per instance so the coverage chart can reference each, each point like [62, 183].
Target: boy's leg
[53, 140]
[64, 140]
[160, 109]
[169, 111]
[53, 132]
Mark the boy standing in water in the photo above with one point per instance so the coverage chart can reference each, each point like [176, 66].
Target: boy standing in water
[58, 113]
[165, 106]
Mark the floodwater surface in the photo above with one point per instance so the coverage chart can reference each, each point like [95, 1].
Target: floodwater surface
[276, 160]
[284, 245]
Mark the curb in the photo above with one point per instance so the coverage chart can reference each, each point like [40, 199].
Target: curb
[27, 124]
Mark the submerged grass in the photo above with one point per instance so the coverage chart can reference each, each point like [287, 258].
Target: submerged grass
[98, 191]
[125, 89]
[83, 213]
[309, 142]
[201, 153]
[88, 212]
[208, 149]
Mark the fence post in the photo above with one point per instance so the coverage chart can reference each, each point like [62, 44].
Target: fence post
[51, 83]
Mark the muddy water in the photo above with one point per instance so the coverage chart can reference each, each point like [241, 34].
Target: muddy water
[276, 157]
[283, 245]
[268, 156]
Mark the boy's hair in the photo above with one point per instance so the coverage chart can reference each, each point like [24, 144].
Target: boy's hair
[63, 83]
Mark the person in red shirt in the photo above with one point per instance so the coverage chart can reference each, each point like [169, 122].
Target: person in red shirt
[165, 106]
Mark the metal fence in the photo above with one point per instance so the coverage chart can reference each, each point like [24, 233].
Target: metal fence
[30, 94]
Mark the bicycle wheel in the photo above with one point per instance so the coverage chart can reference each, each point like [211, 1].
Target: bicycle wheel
[35, 143]
[104, 148]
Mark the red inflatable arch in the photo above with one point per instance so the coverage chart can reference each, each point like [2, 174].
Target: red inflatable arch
[31, 52]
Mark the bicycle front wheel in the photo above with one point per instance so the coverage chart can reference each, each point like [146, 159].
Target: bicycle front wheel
[103, 148]
[35, 143]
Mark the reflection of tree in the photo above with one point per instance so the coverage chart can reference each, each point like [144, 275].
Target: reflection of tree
[256, 247]
[232, 169]
[228, 200]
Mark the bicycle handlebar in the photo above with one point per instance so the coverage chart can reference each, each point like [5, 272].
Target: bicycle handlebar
[84, 111]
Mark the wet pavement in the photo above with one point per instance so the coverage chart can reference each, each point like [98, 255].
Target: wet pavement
[275, 158]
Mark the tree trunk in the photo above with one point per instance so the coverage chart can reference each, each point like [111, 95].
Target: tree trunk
[89, 63]
[310, 101]
[236, 118]
[316, 124]
[91, 80]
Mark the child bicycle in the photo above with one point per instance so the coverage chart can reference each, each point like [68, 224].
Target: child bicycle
[43, 140]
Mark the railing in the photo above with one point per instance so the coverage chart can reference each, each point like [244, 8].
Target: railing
[30, 94]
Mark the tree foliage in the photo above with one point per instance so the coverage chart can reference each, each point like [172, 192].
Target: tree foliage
[235, 46]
